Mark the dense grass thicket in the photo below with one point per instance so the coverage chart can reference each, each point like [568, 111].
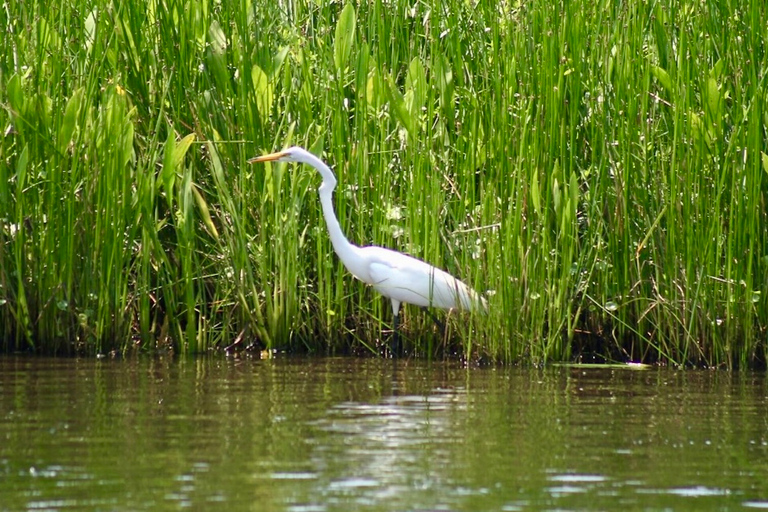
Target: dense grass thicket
[598, 167]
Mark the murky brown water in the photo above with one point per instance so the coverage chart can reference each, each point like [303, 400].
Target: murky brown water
[349, 434]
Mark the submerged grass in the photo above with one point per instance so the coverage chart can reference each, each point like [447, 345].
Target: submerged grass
[598, 167]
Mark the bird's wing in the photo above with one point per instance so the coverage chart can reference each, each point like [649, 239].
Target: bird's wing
[407, 279]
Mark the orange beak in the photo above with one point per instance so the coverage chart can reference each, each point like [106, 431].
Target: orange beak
[267, 158]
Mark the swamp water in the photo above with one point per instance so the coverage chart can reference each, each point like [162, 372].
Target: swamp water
[369, 434]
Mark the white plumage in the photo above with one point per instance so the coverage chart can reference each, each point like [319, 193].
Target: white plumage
[401, 278]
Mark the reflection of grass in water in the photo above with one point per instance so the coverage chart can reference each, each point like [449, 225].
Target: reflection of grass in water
[600, 170]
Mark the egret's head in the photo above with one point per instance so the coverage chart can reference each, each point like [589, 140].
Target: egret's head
[292, 154]
[301, 155]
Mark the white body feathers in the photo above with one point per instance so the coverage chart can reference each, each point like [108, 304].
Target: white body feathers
[397, 276]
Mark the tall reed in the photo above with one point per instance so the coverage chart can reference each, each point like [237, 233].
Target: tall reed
[597, 167]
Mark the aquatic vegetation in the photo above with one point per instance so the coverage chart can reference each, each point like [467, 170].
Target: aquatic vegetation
[598, 168]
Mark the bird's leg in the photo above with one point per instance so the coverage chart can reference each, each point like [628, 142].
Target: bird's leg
[440, 325]
[395, 346]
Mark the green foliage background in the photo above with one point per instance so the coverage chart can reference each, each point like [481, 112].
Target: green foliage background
[599, 167]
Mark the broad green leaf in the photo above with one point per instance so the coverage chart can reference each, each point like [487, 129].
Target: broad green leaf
[169, 170]
[713, 100]
[717, 70]
[374, 88]
[444, 76]
[185, 204]
[223, 191]
[397, 102]
[278, 59]
[695, 122]
[361, 71]
[217, 55]
[216, 166]
[21, 170]
[15, 94]
[699, 130]
[264, 92]
[370, 88]
[205, 213]
[217, 39]
[764, 158]
[415, 88]
[70, 119]
[128, 132]
[317, 147]
[565, 218]
[47, 36]
[535, 193]
[659, 31]
[90, 29]
[345, 34]
[573, 188]
[663, 77]
[42, 107]
[181, 150]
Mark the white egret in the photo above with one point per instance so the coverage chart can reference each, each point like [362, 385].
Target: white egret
[397, 276]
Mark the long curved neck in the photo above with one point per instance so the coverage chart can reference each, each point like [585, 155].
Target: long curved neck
[341, 245]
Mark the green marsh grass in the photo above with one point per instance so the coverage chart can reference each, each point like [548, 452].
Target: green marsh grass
[597, 167]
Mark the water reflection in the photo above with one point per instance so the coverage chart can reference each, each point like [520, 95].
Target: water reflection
[347, 434]
[388, 448]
